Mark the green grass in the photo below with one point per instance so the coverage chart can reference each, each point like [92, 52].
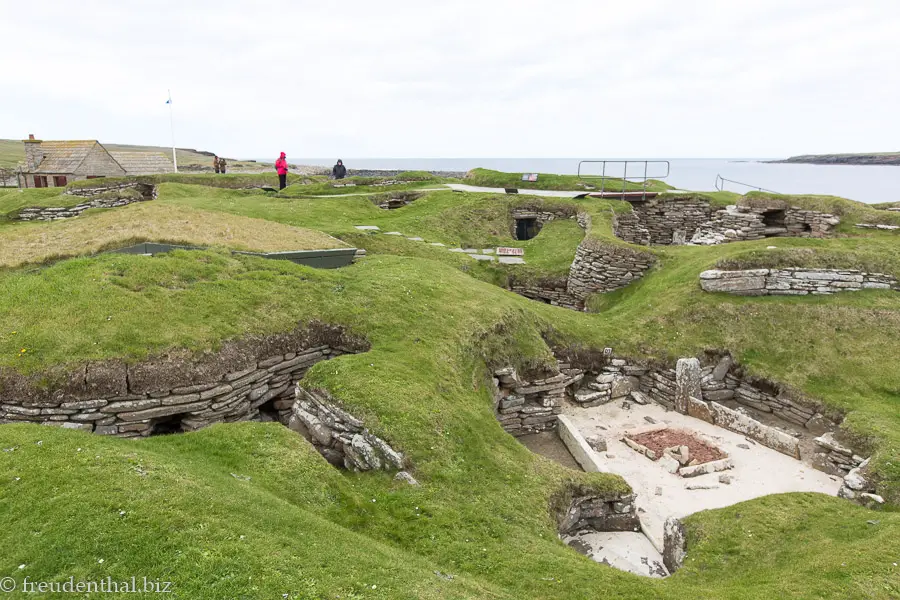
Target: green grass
[12, 200]
[547, 181]
[485, 496]
[850, 211]
[482, 511]
[98, 230]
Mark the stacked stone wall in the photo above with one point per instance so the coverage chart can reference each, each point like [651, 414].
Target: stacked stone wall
[602, 267]
[794, 281]
[176, 392]
[746, 221]
[593, 512]
[719, 393]
[662, 221]
[109, 196]
[730, 225]
[555, 293]
[530, 406]
[339, 436]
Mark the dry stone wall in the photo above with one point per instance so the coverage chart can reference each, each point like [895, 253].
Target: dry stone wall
[597, 268]
[594, 512]
[530, 406]
[754, 220]
[600, 267]
[794, 281]
[667, 220]
[111, 196]
[554, 292]
[339, 436]
[715, 390]
[246, 380]
[662, 220]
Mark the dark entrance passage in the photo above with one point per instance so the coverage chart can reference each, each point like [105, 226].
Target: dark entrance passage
[527, 228]
[167, 425]
[773, 218]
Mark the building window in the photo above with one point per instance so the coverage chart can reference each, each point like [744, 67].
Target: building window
[40, 181]
[59, 180]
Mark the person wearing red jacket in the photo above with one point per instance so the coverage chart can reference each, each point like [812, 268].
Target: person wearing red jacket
[281, 167]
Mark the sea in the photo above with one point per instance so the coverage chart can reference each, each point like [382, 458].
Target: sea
[865, 183]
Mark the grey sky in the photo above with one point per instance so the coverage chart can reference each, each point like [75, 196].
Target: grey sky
[495, 78]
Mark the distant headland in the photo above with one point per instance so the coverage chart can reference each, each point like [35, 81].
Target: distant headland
[874, 158]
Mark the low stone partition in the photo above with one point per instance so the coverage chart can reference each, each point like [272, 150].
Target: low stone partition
[793, 281]
[530, 406]
[112, 196]
[339, 436]
[880, 226]
[593, 511]
[600, 267]
[251, 379]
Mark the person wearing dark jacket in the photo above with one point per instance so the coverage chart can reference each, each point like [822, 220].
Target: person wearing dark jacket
[222, 165]
[281, 167]
[339, 171]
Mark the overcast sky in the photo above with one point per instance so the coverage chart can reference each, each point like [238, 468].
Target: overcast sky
[493, 78]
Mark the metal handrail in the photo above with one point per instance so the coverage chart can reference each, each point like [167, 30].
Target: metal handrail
[720, 185]
[625, 178]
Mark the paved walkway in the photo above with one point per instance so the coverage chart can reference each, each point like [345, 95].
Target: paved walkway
[485, 254]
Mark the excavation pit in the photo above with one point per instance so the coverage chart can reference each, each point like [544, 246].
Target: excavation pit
[753, 470]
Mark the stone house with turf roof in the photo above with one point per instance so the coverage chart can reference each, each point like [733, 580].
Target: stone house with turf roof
[58, 163]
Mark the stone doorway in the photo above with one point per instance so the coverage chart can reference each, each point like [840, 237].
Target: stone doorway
[167, 425]
[527, 228]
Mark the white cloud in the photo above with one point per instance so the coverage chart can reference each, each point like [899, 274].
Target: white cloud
[490, 78]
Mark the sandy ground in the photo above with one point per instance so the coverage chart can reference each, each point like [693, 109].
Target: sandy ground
[758, 471]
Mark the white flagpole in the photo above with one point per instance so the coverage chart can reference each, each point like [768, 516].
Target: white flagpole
[172, 127]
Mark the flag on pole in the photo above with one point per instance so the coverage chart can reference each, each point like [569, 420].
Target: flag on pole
[172, 126]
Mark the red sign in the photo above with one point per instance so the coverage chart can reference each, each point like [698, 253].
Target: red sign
[510, 252]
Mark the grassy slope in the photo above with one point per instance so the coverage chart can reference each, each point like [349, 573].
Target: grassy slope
[485, 496]
[12, 200]
[457, 220]
[547, 181]
[98, 230]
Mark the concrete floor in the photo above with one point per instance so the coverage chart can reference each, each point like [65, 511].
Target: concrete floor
[758, 471]
[548, 445]
[624, 550]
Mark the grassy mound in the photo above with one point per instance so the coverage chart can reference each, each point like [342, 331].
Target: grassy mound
[13, 200]
[859, 255]
[850, 211]
[547, 181]
[181, 508]
[100, 230]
